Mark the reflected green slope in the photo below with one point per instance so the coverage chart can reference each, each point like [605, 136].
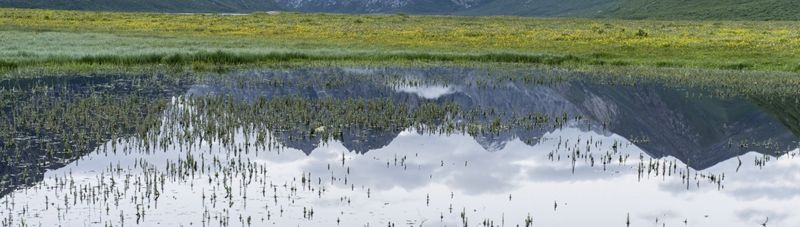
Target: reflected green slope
[785, 109]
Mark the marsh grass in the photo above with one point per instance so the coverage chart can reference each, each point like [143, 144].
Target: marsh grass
[230, 58]
[4, 65]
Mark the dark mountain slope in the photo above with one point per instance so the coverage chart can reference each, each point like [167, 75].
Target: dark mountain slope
[171, 6]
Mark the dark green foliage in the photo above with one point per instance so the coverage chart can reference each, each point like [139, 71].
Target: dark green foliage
[641, 33]
[7, 65]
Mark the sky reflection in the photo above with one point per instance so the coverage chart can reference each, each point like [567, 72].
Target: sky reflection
[507, 184]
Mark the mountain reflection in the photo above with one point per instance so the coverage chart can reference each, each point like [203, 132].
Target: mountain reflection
[691, 125]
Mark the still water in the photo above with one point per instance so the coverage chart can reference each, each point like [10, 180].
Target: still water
[391, 147]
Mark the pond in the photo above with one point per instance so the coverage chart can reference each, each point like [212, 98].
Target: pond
[379, 146]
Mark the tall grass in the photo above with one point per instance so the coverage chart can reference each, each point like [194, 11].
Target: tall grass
[232, 58]
[7, 65]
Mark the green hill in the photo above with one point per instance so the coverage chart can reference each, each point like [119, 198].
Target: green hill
[173, 6]
[707, 9]
[561, 8]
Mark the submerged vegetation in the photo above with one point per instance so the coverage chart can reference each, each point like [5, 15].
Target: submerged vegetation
[41, 37]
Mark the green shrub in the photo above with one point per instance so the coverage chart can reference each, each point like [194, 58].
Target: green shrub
[642, 33]
[7, 65]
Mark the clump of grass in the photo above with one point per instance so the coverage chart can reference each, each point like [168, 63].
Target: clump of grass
[738, 66]
[110, 59]
[4, 65]
[642, 33]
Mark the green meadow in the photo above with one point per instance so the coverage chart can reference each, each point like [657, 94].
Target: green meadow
[73, 39]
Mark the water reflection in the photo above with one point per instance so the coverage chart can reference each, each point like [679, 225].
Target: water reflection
[48, 122]
[664, 156]
[427, 91]
[432, 173]
[691, 125]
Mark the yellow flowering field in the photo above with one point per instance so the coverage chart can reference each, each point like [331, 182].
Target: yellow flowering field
[771, 46]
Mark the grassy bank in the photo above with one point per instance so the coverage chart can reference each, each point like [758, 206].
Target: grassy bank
[44, 37]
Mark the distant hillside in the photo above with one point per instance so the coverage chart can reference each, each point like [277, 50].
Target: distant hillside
[628, 9]
[708, 9]
[171, 6]
[561, 8]
[380, 6]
